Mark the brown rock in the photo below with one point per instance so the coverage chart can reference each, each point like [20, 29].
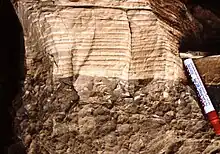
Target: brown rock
[123, 129]
[209, 70]
[86, 124]
[27, 140]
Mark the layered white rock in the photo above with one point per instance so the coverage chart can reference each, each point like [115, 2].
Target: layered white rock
[102, 38]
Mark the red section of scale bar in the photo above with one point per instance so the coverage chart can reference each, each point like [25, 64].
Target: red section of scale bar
[214, 120]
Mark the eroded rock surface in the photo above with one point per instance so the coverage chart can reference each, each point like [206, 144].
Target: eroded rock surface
[121, 39]
[111, 116]
[66, 111]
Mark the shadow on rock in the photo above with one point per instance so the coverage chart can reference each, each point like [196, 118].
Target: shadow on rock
[12, 72]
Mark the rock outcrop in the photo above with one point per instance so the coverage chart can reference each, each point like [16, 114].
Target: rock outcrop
[103, 38]
[106, 77]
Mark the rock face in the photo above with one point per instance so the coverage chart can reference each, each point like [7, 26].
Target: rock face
[103, 38]
[156, 117]
[209, 69]
[105, 77]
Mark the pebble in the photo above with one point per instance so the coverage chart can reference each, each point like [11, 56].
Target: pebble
[137, 99]
[123, 129]
[50, 89]
[123, 151]
[101, 111]
[36, 88]
[122, 118]
[128, 100]
[27, 92]
[27, 139]
[118, 92]
[137, 145]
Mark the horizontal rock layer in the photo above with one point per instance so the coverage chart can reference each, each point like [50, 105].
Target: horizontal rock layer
[108, 115]
[107, 39]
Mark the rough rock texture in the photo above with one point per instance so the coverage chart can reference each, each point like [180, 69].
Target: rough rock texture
[209, 69]
[145, 117]
[129, 103]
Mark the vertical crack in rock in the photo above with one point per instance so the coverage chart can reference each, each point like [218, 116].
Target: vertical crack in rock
[129, 43]
[70, 41]
[128, 79]
[90, 48]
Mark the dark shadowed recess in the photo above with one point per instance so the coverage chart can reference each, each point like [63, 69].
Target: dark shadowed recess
[12, 74]
[207, 15]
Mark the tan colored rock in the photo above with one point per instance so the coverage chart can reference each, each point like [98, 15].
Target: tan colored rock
[122, 39]
[209, 69]
[105, 38]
